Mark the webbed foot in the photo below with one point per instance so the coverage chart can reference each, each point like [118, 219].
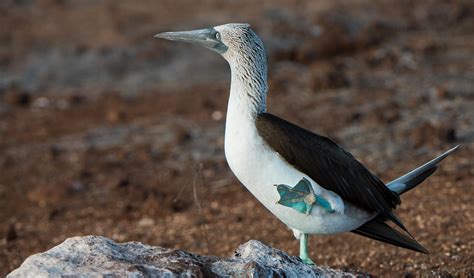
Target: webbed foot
[301, 197]
[308, 261]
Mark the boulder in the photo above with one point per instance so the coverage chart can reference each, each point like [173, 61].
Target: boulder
[96, 256]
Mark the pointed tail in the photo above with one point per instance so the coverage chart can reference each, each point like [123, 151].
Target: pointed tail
[415, 177]
[378, 228]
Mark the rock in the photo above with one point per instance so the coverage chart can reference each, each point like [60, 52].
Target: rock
[95, 256]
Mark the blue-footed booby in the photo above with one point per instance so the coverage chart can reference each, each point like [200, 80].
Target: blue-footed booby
[306, 180]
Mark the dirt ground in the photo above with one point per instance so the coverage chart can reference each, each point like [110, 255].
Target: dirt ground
[105, 130]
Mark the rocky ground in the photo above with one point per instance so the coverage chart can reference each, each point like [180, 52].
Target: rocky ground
[93, 256]
[105, 130]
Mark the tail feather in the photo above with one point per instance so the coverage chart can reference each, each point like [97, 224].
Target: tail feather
[379, 230]
[394, 218]
[415, 177]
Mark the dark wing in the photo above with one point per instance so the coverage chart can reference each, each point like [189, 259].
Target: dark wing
[328, 164]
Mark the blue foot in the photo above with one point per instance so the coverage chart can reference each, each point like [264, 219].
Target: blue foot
[301, 197]
[308, 261]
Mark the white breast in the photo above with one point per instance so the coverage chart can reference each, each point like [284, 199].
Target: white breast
[260, 168]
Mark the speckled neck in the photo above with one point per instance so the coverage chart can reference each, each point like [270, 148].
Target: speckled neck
[249, 87]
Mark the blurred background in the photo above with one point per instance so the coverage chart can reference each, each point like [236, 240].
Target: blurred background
[105, 130]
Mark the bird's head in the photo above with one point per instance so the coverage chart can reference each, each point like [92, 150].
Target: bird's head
[230, 40]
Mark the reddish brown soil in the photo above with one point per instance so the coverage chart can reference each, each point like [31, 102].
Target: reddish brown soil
[108, 148]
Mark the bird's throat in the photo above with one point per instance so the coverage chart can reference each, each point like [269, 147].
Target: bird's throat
[248, 90]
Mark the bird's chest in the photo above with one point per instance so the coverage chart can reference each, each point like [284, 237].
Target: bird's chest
[255, 164]
[245, 153]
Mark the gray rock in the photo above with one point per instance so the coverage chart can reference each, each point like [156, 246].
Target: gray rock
[95, 256]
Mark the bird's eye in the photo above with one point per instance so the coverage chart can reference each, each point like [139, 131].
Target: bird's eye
[218, 36]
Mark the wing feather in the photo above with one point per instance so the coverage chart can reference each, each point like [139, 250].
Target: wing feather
[327, 163]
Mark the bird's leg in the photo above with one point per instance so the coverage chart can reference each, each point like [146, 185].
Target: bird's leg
[304, 249]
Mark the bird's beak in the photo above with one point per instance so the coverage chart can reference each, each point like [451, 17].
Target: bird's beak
[204, 37]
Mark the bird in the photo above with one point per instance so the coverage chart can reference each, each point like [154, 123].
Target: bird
[306, 180]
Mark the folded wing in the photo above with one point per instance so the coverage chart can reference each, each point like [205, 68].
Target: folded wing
[328, 164]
